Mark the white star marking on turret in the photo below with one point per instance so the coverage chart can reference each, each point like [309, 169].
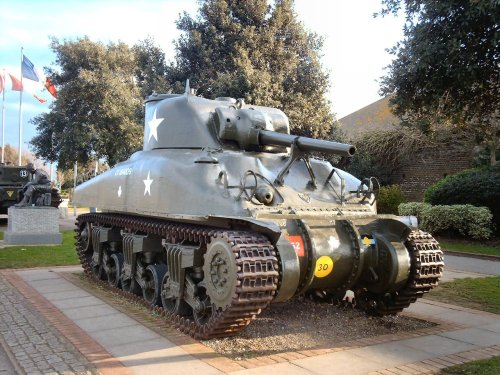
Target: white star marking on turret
[119, 192]
[147, 185]
[153, 126]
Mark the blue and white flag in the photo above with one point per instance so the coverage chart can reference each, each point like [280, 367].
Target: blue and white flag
[28, 70]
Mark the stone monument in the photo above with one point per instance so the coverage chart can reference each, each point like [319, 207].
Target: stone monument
[33, 225]
[33, 220]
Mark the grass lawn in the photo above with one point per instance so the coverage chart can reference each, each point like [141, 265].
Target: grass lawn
[481, 294]
[470, 248]
[483, 367]
[41, 255]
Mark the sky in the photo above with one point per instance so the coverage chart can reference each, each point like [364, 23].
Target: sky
[354, 51]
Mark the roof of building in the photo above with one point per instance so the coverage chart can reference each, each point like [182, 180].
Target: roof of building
[375, 116]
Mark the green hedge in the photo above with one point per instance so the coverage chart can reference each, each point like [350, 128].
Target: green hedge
[465, 220]
[413, 209]
[479, 187]
[389, 198]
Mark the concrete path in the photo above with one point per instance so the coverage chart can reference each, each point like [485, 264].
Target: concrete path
[451, 274]
[474, 265]
[118, 344]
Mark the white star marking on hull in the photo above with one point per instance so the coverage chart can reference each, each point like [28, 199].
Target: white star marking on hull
[119, 192]
[147, 185]
[153, 126]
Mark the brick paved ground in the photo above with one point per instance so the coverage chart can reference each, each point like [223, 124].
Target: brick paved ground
[37, 347]
[120, 342]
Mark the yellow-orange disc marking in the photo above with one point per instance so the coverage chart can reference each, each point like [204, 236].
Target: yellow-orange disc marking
[324, 266]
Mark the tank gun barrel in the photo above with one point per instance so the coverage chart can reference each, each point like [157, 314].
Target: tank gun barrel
[267, 137]
[252, 129]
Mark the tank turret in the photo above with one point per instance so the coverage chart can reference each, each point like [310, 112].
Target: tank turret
[250, 129]
[224, 212]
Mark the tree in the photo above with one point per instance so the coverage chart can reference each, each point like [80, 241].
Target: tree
[151, 68]
[262, 53]
[65, 178]
[382, 153]
[96, 114]
[11, 156]
[446, 71]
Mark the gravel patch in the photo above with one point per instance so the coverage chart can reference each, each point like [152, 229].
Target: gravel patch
[302, 324]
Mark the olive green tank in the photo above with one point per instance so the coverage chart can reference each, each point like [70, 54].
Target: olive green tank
[225, 212]
[12, 180]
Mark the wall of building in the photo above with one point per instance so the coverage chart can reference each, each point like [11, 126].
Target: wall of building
[430, 166]
[425, 168]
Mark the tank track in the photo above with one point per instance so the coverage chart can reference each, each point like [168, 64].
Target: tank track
[257, 276]
[425, 271]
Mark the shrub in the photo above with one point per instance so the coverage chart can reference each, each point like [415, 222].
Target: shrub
[382, 153]
[389, 198]
[413, 209]
[465, 220]
[479, 187]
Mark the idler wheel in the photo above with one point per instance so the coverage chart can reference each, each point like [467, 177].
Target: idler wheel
[170, 299]
[220, 272]
[153, 277]
[114, 267]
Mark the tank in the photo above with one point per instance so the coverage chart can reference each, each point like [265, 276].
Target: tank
[12, 180]
[224, 212]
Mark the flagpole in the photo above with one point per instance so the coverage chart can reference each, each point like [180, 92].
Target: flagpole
[21, 112]
[75, 174]
[3, 118]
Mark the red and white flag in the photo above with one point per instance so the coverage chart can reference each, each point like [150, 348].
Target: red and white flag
[2, 83]
[17, 85]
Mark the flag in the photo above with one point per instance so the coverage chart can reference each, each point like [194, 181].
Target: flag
[41, 100]
[2, 83]
[28, 70]
[16, 83]
[50, 87]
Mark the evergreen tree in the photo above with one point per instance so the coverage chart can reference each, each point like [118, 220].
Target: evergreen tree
[96, 112]
[446, 70]
[151, 68]
[262, 53]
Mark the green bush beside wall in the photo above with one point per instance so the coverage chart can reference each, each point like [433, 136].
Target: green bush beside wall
[389, 198]
[465, 220]
[413, 209]
[479, 187]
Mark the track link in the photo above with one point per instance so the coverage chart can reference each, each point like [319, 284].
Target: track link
[425, 271]
[257, 276]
